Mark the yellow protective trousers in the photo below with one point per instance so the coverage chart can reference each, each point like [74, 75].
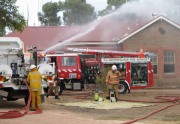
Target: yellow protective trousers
[110, 87]
[36, 99]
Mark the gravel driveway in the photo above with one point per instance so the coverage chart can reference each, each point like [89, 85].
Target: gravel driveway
[56, 114]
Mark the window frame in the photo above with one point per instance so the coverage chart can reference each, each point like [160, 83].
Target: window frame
[65, 58]
[154, 60]
[169, 61]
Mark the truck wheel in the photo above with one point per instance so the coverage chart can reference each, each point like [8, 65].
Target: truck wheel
[61, 87]
[123, 87]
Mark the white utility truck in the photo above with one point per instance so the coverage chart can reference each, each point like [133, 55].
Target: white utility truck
[13, 70]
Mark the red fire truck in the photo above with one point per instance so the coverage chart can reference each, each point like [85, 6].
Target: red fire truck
[74, 70]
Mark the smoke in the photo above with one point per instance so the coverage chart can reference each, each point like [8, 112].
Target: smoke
[135, 13]
[69, 40]
[144, 9]
[132, 13]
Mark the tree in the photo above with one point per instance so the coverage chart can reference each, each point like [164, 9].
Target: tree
[74, 12]
[50, 17]
[115, 3]
[10, 17]
[101, 78]
[2, 32]
[78, 12]
[112, 5]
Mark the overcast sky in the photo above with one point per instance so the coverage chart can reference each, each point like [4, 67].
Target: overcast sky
[34, 6]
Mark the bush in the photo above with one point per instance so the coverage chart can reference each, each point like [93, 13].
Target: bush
[101, 78]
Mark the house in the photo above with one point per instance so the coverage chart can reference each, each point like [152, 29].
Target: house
[158, 35]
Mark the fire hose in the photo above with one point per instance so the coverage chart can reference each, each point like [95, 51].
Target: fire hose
[85, 95]
[162, 99]
[20, 112]
[165, 99]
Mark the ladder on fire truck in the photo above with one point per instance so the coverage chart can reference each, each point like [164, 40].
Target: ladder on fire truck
[110, 53]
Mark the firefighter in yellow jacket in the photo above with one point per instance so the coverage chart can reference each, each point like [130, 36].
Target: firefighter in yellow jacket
[35, 80]
[112, 80]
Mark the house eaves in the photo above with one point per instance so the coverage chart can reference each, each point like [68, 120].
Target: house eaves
[92, 43]
[148, 24]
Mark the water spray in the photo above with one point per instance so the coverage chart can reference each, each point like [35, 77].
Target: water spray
[130, 13]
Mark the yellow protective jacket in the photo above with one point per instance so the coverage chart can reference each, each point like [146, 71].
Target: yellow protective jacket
[35, 80]
[113, 77]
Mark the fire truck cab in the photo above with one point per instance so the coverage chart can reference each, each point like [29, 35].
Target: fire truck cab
[73, 70]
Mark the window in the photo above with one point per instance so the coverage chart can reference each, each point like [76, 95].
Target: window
[169, 62]
[68, 61]
[154, 61]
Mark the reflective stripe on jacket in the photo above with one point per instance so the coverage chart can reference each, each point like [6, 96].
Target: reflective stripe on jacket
[113, 78]
[35, 80]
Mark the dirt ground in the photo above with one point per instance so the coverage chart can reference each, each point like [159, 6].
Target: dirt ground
[72, 115]
[169, 115]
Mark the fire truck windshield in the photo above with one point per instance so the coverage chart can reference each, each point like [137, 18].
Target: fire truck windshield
[68, 61]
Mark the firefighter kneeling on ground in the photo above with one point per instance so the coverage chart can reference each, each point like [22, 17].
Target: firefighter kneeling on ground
[54, 88]
[34, 80]
[112, 81]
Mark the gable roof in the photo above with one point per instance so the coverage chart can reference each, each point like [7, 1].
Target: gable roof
[106, 30]
[111, 29]
[148, 24]
[45, 36]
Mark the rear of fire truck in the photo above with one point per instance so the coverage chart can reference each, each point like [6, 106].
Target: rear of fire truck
[44, 66]
[136, 72]
[13, 70]
[135, 67]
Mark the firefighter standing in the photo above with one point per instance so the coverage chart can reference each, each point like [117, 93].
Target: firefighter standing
[112, 80]
[55, 88]
[35, 80]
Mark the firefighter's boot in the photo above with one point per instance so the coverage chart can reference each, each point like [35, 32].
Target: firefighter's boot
[56, 97]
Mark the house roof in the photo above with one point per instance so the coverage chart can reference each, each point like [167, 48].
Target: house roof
[107, 30]
[44, 37]
[111, 29]
[148, 24]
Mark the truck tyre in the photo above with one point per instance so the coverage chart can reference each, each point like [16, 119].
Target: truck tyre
[61, 86]
[123, 87]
